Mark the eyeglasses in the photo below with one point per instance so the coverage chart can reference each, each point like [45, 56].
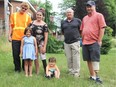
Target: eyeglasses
[24, 8]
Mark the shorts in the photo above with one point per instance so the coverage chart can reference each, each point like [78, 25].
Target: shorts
[43, 56]
[52, 73]
[91, 52]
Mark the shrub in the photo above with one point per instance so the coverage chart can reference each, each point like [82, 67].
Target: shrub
[54, 46]
[106, 42]
[113, 41]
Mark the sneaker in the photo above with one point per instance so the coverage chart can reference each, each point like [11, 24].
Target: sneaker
[98, 80]
[91, 78]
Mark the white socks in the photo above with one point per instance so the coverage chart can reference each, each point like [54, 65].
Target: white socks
[93, 77]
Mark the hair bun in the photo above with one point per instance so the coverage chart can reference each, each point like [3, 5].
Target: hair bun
[42, 9]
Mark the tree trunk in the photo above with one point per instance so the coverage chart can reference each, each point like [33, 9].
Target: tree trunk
[6, 10]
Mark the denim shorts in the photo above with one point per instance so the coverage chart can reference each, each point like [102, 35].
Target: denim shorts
[91, 52]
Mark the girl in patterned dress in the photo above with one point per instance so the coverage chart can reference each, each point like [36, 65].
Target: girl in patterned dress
[28, 50]
[40, 32]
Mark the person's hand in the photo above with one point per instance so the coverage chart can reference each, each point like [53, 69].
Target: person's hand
[10, 39]
[100, 43]
[21, 56]
[43, 50]
[36, 54]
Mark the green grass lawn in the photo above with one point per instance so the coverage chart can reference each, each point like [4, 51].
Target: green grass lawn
[8, 78]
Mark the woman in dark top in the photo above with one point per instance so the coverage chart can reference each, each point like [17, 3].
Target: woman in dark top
[40, 31]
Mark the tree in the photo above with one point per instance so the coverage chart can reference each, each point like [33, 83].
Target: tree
[106, 43]
[34, 2]
[48, 8]
[80, 10]
[110, 6]
[65, 5]
[106, 7]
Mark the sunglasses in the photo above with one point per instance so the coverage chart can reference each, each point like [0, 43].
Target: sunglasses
[24, 8]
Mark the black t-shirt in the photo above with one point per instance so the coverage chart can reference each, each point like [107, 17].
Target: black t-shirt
[38, 31]
[71, 30]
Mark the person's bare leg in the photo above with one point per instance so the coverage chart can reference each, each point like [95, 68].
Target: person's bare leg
[91, 70]
[26, 67]
[56, 75]
[36, 66]
[96, 72]
[49, 74]
[30, 67]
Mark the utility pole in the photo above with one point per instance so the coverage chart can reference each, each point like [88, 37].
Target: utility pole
[6, 17]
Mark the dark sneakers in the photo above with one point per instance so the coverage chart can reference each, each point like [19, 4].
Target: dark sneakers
[97, 80]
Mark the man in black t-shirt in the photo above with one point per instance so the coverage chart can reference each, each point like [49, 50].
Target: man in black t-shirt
[70, 28]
